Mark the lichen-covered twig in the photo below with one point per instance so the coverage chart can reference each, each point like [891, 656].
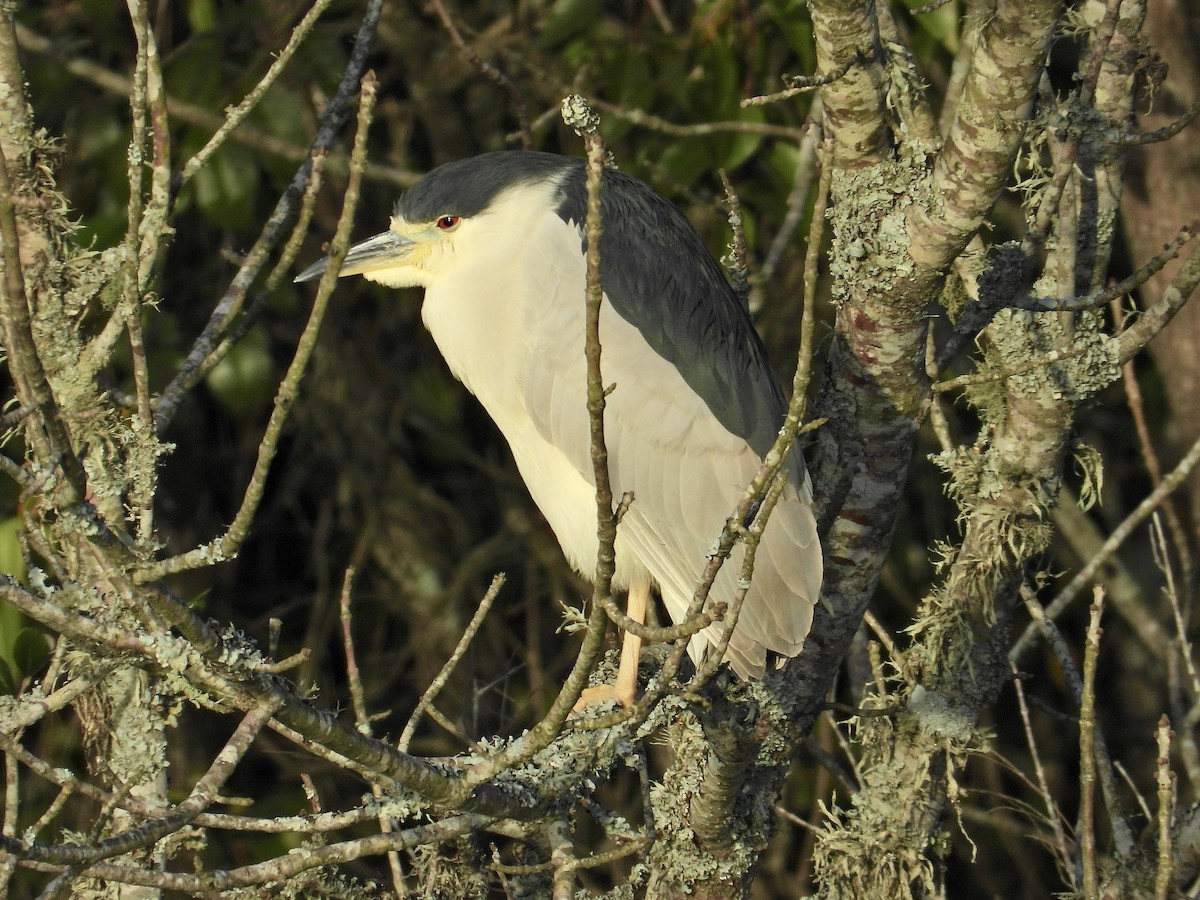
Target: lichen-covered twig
[1087, 752]
[202, 795]
[46, 431]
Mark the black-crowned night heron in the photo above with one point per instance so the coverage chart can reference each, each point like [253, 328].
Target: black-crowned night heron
[497, 243]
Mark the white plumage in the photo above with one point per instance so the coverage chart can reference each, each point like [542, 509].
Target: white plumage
[503, 270]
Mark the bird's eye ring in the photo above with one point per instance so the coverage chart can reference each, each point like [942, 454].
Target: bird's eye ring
[448, 223]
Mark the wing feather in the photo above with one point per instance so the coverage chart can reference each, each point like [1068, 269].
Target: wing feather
[687, 473]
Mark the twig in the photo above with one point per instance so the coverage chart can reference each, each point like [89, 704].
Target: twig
[885, 637]
[203, 793]
[353, 676]
[236, 115]
[812, 257]
[799, 84]
[331, 124]
[12, 797]
[314, 729]
[806, 168]
[144, 231]
[1085, 575]
[973, 378]
[491, 73]
[1087, 751]
[699, 129]
[358, 698]
[227, 546]
[30, 710]
[69, 785]
[928, 8]
[561, 857]
[578, 115]
[606, 528]
[1107, 295]
[1166, 806]
[119, 85]
[239, 327]
[1154, 319]
[628, 847]
[1122, 833]
[661, 634]
[1165, 133]
[293, 863]
[1052, 814]
[1137, 408]
[708, 668]
[435, 686]
[754, 492]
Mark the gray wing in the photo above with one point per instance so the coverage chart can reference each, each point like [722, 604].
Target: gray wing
[659, 276]
[676, 452]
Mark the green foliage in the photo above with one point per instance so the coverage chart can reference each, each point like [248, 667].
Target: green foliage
[244, 381]
[24, 649]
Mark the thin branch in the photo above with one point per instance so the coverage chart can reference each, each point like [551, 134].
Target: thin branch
[800, 84]
[69, 785]
[284, 867]
[561, 857]
[1154, 319]
[31, 708]
[1052, 815]
[331, 124]
[1087, 752]
[239, 327]
[202, 795]
[806, 168]
[435, 686]
[1108, 294]
[662, 634]
[357, 695]
[1119, 535]
[975, 378]
[1166, 806]
[491, 73]
[578, 115]
[358, 699]
[227, 546]
[698, 129]
[236, 115]
[1137, 409]
[1165, 133]
[1104, 768]
[119, 85]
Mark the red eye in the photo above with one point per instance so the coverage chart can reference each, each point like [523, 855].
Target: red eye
[446, 223]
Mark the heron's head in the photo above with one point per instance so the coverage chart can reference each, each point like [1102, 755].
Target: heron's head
[479, 202]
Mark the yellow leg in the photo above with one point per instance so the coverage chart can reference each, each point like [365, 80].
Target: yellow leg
[631, 647]
[624, 689]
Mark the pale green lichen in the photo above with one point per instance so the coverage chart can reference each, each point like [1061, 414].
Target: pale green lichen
[137, 746]
[869, 221]
[1018, 336]
[878, 847]
[1091, 467]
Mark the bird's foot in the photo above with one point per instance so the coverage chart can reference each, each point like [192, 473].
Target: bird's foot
[623, 694]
